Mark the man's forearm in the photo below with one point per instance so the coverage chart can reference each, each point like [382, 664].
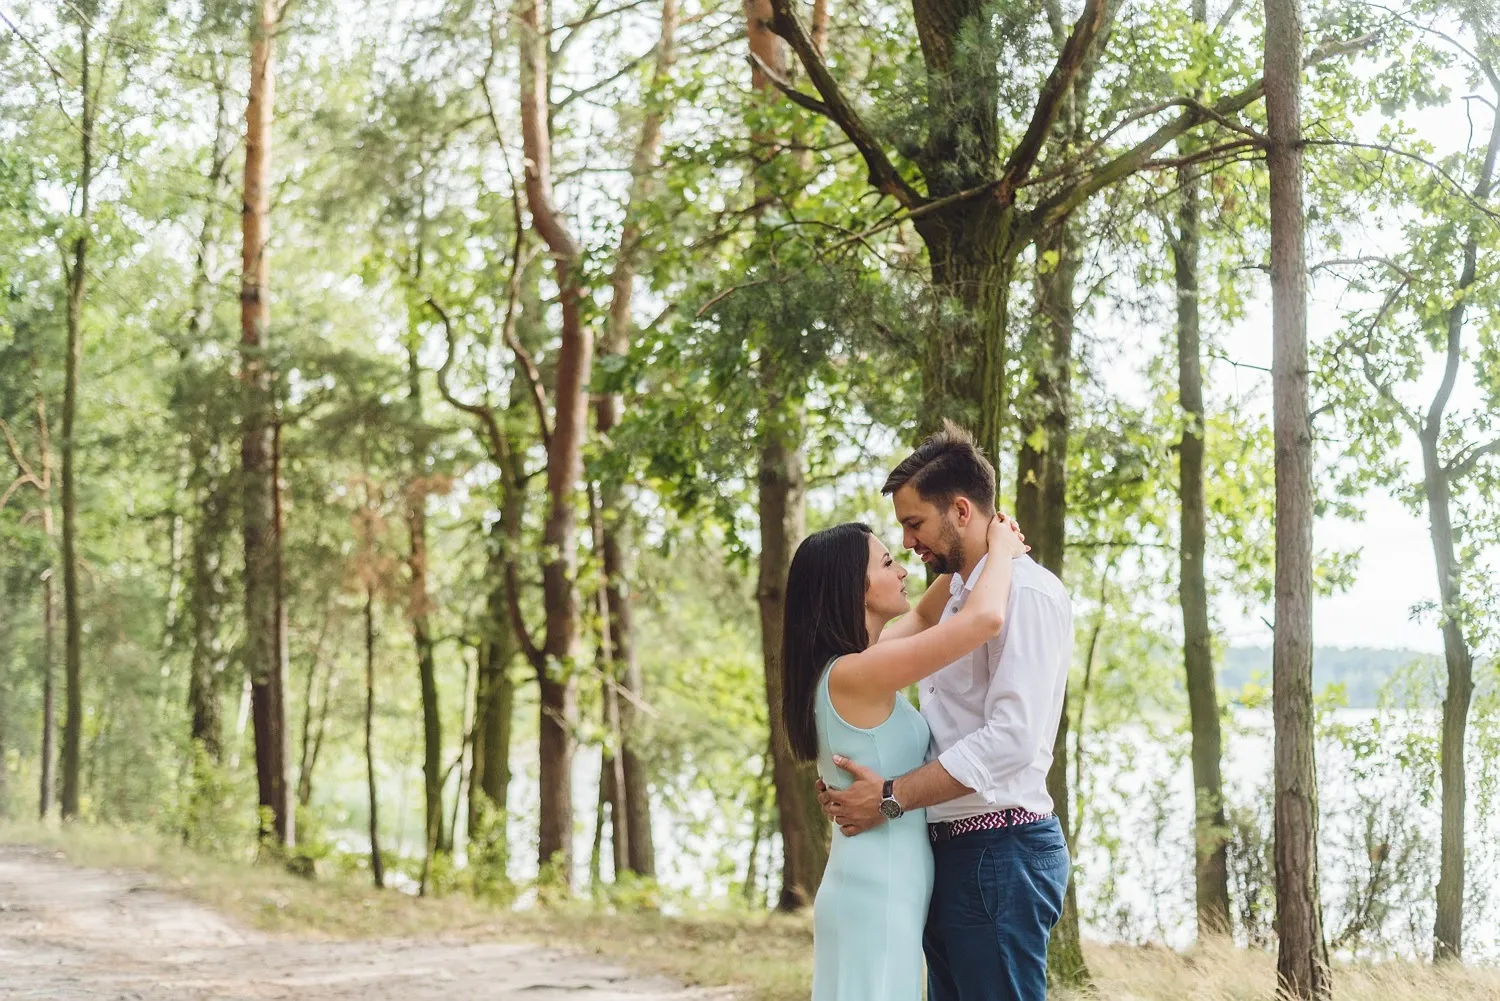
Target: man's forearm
[927, 786]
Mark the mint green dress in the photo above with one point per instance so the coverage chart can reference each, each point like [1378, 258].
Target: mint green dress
[872, 903]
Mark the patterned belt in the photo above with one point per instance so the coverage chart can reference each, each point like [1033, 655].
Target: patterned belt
[945, 830]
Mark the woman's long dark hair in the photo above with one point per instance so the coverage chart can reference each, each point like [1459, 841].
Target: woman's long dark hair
[824, 618]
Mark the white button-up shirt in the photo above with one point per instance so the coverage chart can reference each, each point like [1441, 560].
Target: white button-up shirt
[994, 713]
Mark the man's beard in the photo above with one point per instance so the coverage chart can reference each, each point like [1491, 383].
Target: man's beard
[948, 555]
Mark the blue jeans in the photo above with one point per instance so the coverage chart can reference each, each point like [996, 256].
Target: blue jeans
[995, 897]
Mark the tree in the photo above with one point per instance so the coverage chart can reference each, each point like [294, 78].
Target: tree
[1430, 298]
[265, 637]
[1302, 955]
[77, 279]
[632, 795]
[1211, 866]
[555, 657]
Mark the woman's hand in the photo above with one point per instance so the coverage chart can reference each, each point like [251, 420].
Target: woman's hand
[1005, 538]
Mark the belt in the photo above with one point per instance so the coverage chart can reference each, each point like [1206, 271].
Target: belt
[945, 830]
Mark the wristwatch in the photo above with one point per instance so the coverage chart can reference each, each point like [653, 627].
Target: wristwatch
[889, 808]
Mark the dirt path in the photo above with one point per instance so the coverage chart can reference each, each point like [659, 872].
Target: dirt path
[70, 934]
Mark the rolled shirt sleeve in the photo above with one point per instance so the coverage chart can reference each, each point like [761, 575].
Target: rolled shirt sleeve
[1021, 701]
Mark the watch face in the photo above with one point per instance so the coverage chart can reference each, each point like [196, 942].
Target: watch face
[890, 809]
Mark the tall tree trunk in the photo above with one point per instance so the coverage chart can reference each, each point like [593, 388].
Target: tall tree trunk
[263, 619]
[494, 692]
[212, 527]
[781, 504]
[207, 662]
[48, 778]
[1302, 958]
[1447, 937]
[634, 796]
[612, 791]
[7, 642]
[418, 608]
[558, 702]
[77, 285]
[377, 867]
[1041, 492]
[1211, 867]
[1448, 926]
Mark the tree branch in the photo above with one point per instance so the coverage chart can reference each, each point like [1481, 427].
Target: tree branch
[1193, 115]
[883, 174]
[499, 442]
[1460, 468]
[1050, 101]
[784, 85]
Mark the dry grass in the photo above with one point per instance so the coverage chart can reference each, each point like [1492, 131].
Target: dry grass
[770, 956]
[1226, 973]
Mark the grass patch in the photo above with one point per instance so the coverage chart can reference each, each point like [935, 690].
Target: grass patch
[768, 956]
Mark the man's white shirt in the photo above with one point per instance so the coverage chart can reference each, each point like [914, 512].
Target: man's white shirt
[994, 712]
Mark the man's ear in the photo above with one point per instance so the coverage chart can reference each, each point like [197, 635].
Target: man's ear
[964, 508]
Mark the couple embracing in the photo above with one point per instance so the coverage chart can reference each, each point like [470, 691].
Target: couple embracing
[946, 843]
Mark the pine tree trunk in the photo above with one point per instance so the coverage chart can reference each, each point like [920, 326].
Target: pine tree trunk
[418, 606]
[558, 701]
[635, 795]
[782, 500]
[212, 527]
[48, 778]
[377, 867]
[7, 640]
[1041, 493]
[494, 692]
[1302, 958]
[206, 665]
[77, 285]
[1211, 868]
[263, 618]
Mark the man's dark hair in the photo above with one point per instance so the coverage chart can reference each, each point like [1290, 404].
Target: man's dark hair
[946, 465]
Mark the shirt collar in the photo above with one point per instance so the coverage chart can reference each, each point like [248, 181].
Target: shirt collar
[957, 585]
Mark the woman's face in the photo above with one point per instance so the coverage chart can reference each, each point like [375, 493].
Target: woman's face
[885, 583]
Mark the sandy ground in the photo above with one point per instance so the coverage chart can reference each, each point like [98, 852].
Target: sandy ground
[69, 934]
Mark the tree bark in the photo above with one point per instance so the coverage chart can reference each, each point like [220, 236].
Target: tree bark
[558, 702]
[1302, 956]
[489, 786]
[212, 527]
[1448, 925]
[48, 778]
[377, 867]
[1211, 866]
[263, 619]
[617, 528]
[417, 609]
[77, 286]
[207, 664]
[781, 504]
[1041, 493]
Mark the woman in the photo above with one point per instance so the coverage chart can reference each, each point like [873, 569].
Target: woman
[841, 694]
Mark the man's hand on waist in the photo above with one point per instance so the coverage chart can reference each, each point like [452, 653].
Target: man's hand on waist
[856, 809]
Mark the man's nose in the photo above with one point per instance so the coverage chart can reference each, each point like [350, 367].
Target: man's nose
[908, 540]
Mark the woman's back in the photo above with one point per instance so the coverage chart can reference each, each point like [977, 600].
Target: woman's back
[872, 903]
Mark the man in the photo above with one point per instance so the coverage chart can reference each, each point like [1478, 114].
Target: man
[1001, 864]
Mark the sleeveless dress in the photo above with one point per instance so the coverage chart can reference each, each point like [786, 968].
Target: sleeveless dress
[872, 904]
